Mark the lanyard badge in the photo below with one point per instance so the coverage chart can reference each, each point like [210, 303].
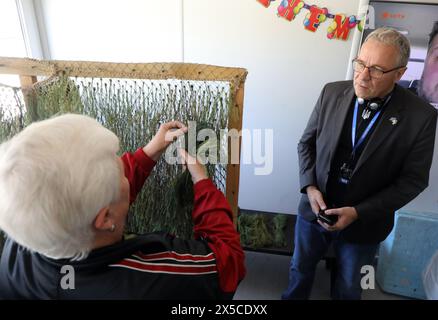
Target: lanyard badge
[346, 171]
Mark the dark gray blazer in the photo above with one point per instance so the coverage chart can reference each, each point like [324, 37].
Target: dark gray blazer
[392, 169]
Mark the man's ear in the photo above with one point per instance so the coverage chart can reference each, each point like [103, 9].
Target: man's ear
[103, 221]
[399, 74]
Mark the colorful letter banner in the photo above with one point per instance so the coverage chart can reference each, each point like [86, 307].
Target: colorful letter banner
[340, 25]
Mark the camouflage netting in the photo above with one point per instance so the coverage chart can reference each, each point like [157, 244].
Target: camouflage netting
[133, 107]
[12, 112]
[259, 231]
[125, 99]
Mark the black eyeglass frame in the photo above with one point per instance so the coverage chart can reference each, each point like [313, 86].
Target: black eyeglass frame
[372, 68]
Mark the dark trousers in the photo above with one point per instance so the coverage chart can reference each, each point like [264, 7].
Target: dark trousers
[311, 244]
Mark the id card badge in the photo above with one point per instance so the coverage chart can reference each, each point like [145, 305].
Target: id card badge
[345, 174]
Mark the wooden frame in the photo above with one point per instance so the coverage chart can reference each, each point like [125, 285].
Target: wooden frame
[29, 69]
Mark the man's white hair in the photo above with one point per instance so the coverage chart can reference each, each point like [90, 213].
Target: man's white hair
[55, 176]
[391, 36]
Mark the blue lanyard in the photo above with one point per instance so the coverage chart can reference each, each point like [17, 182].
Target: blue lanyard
[367, 130]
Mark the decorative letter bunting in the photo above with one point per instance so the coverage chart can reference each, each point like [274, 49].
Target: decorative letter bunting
[340, 25]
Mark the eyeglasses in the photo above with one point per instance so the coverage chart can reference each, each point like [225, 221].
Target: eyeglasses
[376, 73]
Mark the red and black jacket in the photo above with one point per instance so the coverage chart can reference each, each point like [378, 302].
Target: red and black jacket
[151, 266]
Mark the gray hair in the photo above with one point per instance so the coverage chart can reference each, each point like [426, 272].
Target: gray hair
[55, 176]
[391, 36]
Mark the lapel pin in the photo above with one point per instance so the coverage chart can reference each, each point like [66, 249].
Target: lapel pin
[393, 121]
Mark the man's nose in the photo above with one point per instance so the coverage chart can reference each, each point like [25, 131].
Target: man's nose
[365, 74]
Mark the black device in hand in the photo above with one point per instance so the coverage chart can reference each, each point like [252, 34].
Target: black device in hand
[328, 219]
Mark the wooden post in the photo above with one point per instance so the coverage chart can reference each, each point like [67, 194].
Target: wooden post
[29, 96]
[233, 169]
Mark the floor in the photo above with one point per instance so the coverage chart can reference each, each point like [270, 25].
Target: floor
[267, 276]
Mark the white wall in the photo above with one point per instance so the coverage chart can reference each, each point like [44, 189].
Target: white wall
[114, 30]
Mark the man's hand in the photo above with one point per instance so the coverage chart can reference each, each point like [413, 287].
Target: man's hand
[316, 199]
[346, 216]
[196, 169]
[167, 133]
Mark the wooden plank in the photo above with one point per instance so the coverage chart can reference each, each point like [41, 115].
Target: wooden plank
[155, 71]
[25, 66]
[233, 169]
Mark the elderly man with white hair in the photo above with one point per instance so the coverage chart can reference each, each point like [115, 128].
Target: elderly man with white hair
[64, 199]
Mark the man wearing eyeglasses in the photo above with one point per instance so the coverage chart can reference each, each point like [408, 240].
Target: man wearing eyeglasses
[366, 152]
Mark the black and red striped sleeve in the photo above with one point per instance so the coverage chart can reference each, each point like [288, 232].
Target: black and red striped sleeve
[138, 167]
[213, 221]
